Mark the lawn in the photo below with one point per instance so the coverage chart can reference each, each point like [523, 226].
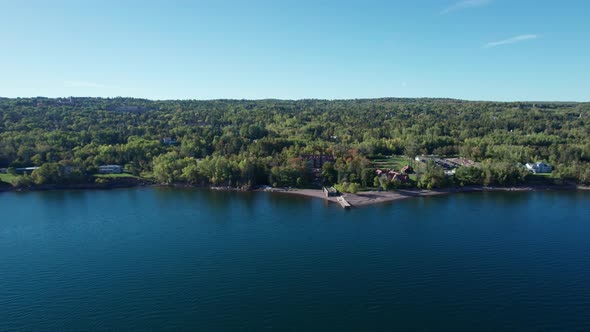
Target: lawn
[6, 178]
[544, 175]
[392, 162]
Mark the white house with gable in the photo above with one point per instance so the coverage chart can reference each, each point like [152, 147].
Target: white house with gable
[110, 169]
[539, 167]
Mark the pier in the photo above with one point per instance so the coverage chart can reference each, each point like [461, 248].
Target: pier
[343, 202]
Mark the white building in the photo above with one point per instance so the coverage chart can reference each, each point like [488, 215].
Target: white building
[539, 167]
[25, 170]
[449, 172]
[421, 159]
[168, 141]
[110, 169]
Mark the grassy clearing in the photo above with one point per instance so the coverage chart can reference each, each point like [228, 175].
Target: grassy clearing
[544, 175]
[543, 178]
[6, 178]
[393, 162]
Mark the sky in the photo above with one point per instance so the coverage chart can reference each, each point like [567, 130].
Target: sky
[504, 50]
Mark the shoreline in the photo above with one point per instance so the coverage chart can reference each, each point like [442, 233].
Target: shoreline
[119, 184]
[360, 199]
[368, 198]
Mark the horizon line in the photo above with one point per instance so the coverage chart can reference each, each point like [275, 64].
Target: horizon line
[310, 98]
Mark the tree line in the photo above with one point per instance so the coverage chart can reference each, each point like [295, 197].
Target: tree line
[248, 143]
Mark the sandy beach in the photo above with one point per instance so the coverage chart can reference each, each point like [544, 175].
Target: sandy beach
[366, 198]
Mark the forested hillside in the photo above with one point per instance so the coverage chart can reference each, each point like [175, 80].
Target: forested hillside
[245, 143]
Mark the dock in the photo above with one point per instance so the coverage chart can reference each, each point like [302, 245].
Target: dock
[343, 202]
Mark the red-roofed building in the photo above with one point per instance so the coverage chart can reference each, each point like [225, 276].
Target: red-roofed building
[407, 169]
[393, 175]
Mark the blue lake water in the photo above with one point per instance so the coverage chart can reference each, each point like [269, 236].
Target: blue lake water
[189, 259]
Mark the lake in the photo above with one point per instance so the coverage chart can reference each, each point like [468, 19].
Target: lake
[193, 259]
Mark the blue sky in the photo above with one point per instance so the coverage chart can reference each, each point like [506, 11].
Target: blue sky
[474, 49]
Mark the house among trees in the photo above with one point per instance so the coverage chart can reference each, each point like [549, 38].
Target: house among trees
[65, 101]
[422, 159]
[407, 169]
[110, 169]
[25, 170]
[539, 167]
[393, 176]
[168, 141]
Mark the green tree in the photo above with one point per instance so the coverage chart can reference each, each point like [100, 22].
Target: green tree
[469, 176]
[434, 177]
[329, 173]
[48, 173]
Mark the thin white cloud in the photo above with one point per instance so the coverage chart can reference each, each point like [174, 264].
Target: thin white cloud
[513, 40]
[82, 84]
[465, 4]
